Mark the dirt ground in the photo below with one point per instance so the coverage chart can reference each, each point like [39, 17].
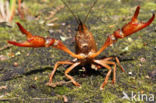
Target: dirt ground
[24, 72]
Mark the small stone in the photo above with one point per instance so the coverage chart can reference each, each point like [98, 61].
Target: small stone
[147, 77]
[141, 91]
[142, 59]
[63, 24]
[27, 54]
[130, 73]
[15, 64]
[140, 65]
[41, 22]
[111, 26]
[50, 24]
[125, 49]
[51, 31]
[63, 38]
[18, 53]
[35, 78]
[130, 39]
[69, 30]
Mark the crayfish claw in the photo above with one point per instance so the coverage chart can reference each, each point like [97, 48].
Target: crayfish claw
[24, 31]
[24, 44]
[134, 25]
[136, 13]
[150, 20]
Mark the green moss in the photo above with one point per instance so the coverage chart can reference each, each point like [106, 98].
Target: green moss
[124, 10]
[150, 5]
[108, 97]
[62, 90]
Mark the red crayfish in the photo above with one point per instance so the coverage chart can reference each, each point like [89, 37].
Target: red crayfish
[86, 50]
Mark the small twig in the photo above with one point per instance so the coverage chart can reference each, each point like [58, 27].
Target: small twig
[58, 83]
[65, 99]
[6, 47]
[7, 99]
[42, 98]
[52, 13]
[3, 87]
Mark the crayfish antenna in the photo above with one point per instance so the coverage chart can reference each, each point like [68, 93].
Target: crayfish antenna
[76, 17]
[24, 31]
[90, 11]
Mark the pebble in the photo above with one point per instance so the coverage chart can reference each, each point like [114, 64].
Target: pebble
[142, 59]
[15, 64]
[130, 73]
